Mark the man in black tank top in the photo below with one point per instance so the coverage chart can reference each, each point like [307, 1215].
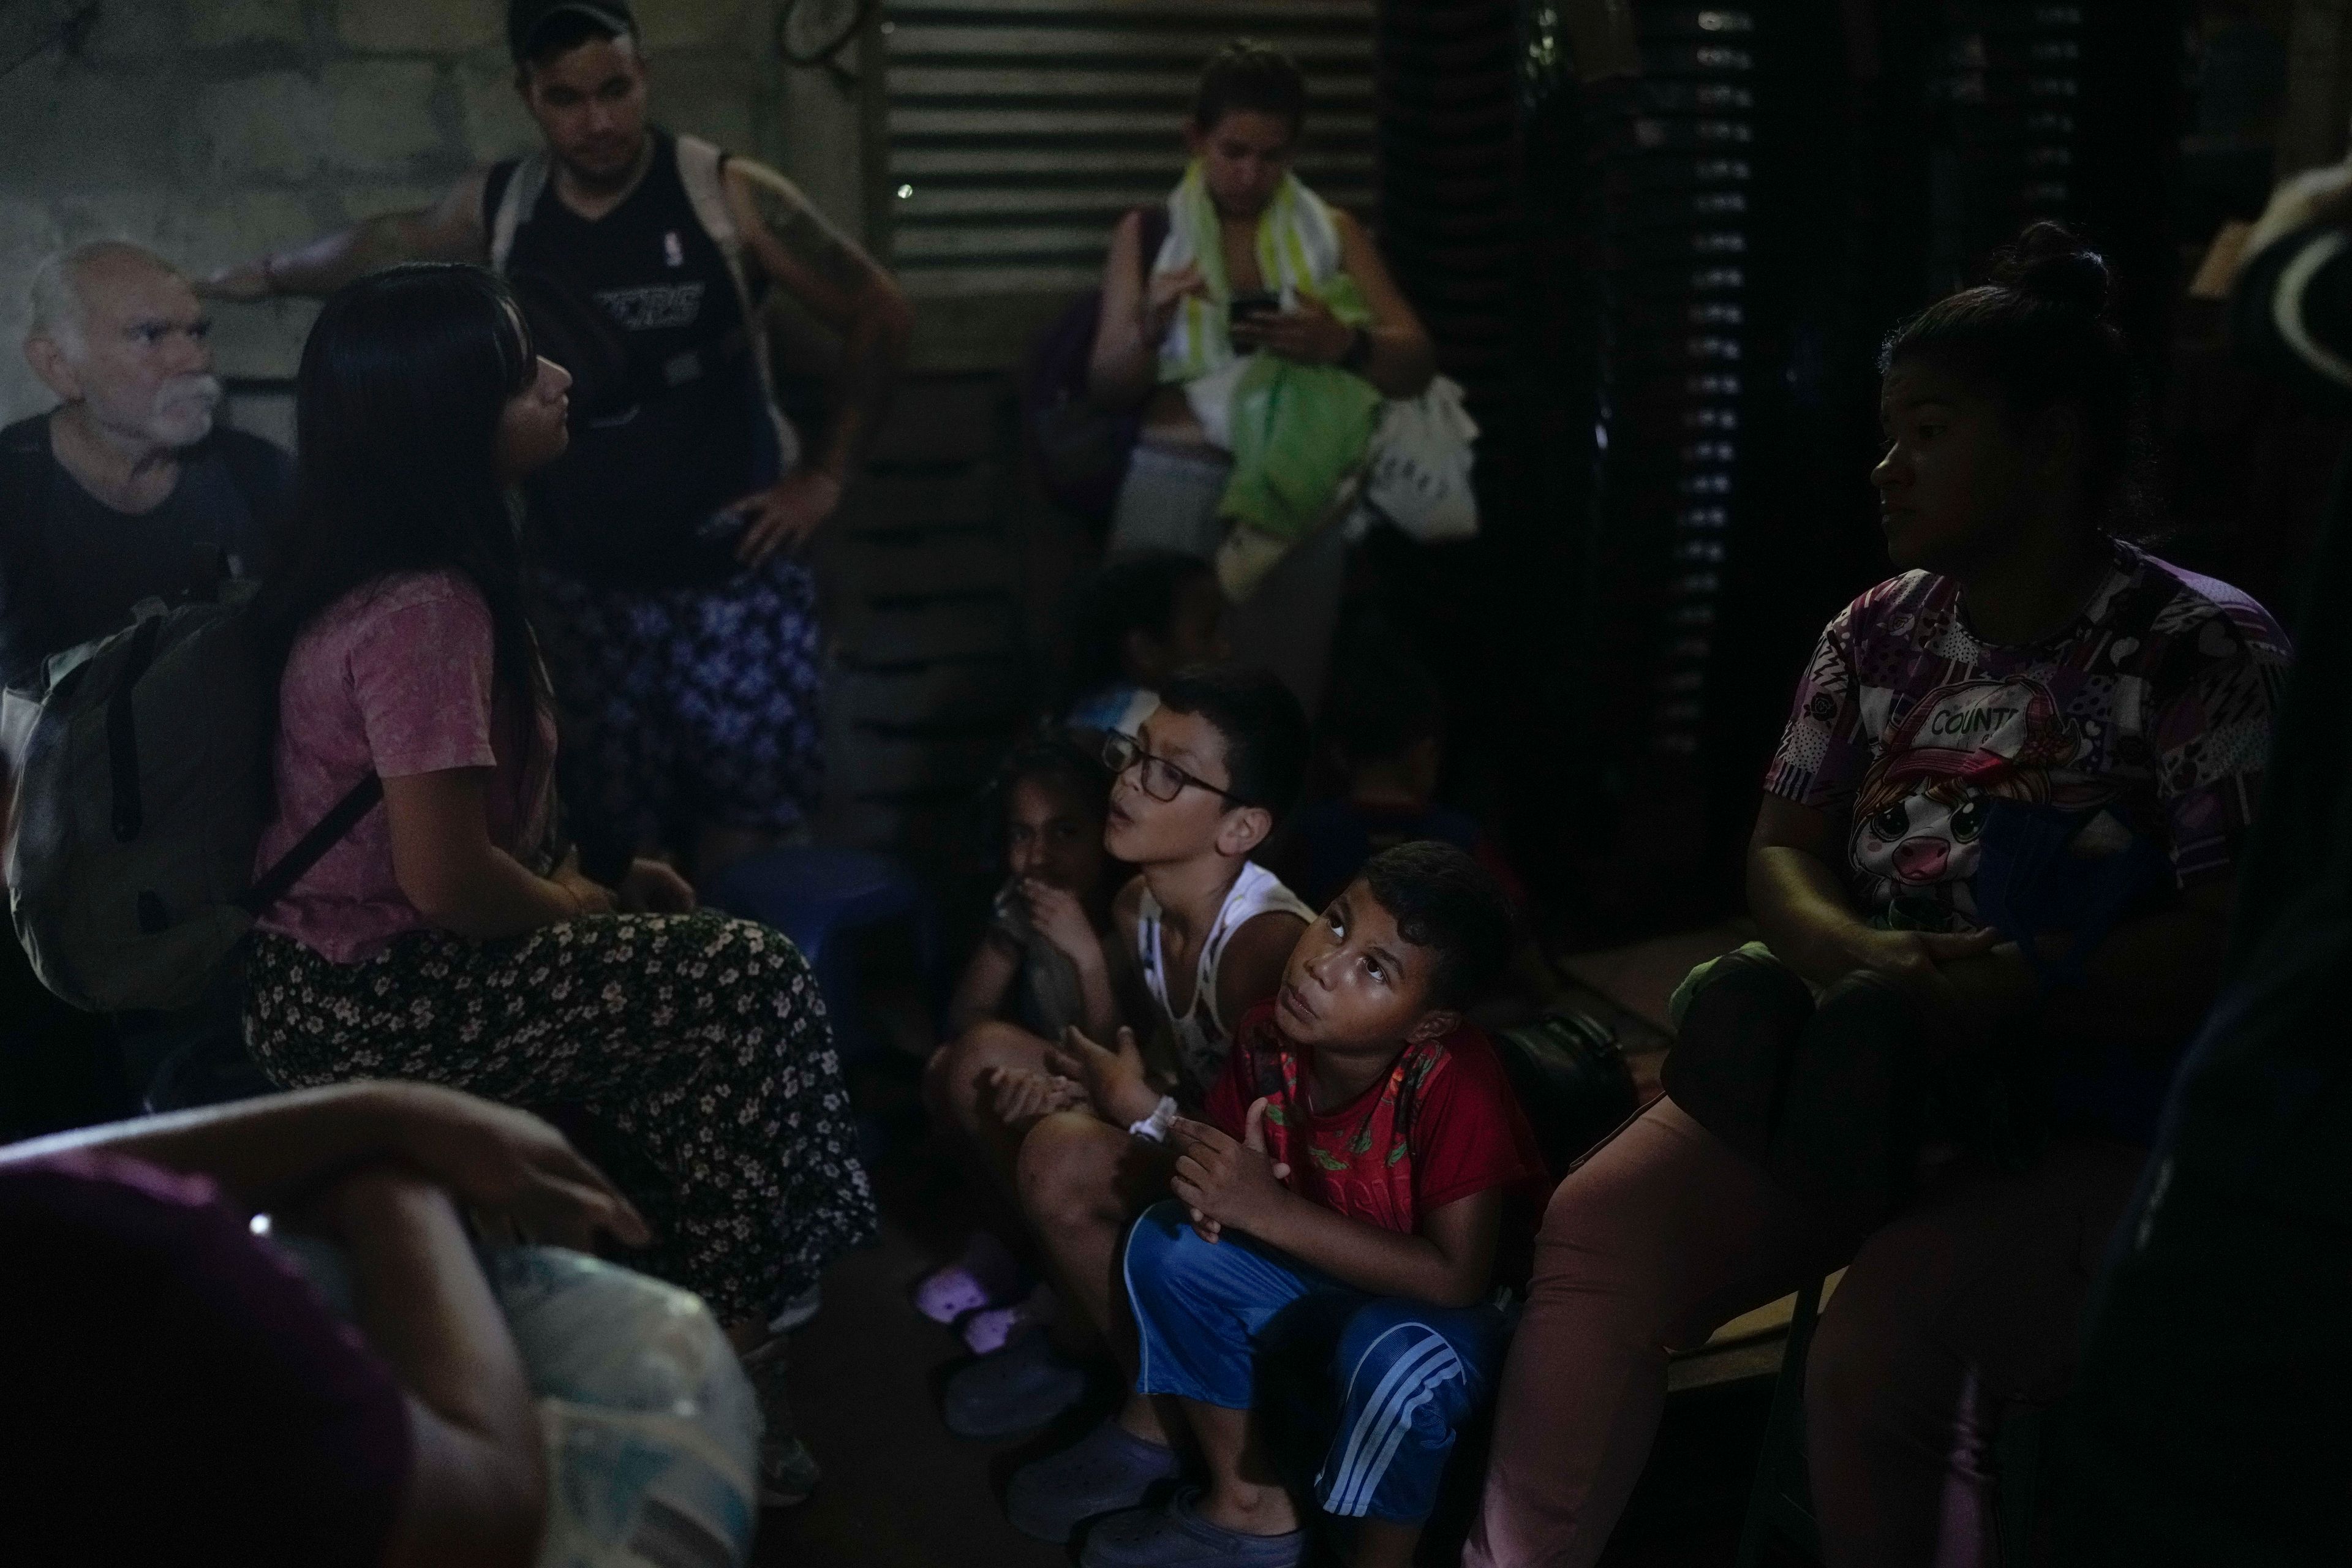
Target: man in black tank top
[672, 426]
[679, 621]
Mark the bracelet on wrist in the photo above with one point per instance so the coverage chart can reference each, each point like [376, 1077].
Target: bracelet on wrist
[1359, 352]
[1154, 1127]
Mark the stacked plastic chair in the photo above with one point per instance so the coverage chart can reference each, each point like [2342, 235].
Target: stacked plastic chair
[1679, 145]
[2026, 110]
[1450, 221]
[1667, 198]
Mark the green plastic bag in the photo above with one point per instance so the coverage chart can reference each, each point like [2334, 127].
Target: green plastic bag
[1297, 431]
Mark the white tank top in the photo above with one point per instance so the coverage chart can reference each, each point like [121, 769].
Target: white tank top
[1202, 1038]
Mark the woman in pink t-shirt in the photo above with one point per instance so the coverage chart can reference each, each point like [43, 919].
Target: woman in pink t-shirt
[444, 938]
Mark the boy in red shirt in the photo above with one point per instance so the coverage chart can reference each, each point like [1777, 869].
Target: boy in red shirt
[1364, 1150]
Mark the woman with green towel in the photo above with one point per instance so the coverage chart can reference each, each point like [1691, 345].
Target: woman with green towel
[1259, 332]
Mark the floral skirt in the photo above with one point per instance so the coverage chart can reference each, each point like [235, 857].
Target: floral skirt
[701, 1040]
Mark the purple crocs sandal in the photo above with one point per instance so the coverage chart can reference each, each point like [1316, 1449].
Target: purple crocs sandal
[1108, 1470]
[985, 1276]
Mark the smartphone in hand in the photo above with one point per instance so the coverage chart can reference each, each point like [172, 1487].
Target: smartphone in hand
[1247, 306]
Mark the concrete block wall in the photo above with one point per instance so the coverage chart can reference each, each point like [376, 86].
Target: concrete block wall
[211, 128]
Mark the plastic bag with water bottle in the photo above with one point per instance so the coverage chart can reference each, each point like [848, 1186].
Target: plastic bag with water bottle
[652, 1429]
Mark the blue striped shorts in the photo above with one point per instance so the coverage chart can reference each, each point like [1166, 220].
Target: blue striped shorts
[1398, 1380]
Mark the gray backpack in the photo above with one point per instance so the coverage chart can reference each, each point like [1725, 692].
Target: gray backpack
[140, 770]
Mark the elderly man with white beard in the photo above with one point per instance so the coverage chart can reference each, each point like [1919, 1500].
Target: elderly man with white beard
[125, 490]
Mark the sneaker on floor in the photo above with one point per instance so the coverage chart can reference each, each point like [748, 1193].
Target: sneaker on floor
[1108, 1470]
[1174, 1535]
[1023, 1385]
[986, 1333]
[985, 1276]
[797, 1310]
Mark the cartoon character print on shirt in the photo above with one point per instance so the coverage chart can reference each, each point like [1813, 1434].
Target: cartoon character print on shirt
[1921, 810]
[1370, 1174]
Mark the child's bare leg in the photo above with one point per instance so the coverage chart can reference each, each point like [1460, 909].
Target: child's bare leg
[956, 1095]
[1383, 1543]
[1077, 1173]
[1244, 1494]
[955, 1089]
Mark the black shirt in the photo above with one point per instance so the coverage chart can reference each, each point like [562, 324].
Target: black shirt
[71, 567]
[673, 429]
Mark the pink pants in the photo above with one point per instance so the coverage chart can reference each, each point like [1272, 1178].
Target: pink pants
[1963, 1304]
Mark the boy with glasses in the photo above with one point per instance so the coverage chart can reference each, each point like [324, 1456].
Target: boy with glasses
[1083, 1124]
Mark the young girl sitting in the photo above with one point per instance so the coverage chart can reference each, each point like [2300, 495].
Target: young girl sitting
[440, 938]
[1051, 960]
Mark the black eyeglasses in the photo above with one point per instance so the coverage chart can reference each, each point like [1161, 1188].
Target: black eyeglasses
[1161, 779]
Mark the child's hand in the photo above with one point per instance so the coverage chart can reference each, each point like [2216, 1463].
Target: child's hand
[1225, 1183]
[1020, 1096]
[1114, 1080]
[1056, 914]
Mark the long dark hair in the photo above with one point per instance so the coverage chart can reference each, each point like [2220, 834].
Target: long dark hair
[396, 413]
[2039, 334]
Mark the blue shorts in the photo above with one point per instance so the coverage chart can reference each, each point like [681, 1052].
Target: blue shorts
[687, 707]
[1404, 1377]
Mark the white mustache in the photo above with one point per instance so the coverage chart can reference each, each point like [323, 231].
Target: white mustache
[180, 389]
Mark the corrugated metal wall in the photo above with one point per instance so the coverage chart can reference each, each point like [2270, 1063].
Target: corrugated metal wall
[1018, 131]
[1014, 134]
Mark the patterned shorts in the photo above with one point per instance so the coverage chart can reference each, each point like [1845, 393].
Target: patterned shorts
[687, 707]
[701, 1040]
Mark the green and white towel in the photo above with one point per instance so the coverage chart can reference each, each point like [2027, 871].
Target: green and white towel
[1296, 432]
[1302, 437]
[1297, 254]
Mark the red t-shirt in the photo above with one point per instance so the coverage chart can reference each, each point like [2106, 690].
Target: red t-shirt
[1443, 1125]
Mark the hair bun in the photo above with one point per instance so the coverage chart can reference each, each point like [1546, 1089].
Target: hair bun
[2050, 261]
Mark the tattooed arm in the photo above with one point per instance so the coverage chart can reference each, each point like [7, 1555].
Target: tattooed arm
[841, 286]
[448, 230]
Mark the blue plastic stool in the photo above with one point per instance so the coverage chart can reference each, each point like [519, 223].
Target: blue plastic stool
[821, 896]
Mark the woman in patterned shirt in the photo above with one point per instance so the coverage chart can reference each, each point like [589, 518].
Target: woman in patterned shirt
[1992, 869]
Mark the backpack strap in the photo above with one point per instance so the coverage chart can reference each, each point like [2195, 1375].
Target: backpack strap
[702, 171]
[528, 179]
[701, 168]
[311, 848]
[126, 812]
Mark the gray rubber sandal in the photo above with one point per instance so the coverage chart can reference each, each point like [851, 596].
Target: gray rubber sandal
[1022, 1386]
[1108, 1470]
[1174, 1535]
